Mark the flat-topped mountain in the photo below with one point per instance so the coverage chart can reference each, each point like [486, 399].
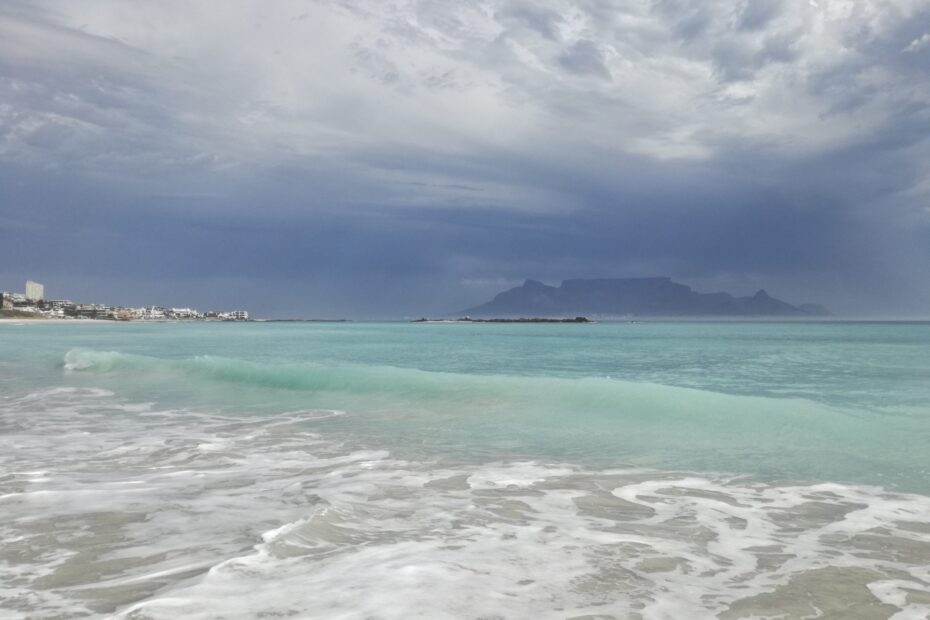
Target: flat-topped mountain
[633, 296]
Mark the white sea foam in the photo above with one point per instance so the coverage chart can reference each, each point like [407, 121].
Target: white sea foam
[112, 509]
[313, 414]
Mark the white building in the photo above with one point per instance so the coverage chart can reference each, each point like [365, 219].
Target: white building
[154, 313]
[34, 291]
[184, 313]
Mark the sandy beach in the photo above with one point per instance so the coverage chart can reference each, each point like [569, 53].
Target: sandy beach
[43, 321]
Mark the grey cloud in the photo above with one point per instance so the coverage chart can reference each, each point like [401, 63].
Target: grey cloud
[780, 47]
[918, 44]
[49, 135]
[741, 58]
[688, 20]
[755, 14]
[734, 59]
[543, 20]
[584, 58]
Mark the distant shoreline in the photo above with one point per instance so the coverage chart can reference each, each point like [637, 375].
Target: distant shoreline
[303, 320]
[641, 320]
[44, 320]
[577, 319]
[72, 321]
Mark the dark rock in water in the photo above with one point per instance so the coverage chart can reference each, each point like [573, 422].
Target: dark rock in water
[632, 296]
[468, 319]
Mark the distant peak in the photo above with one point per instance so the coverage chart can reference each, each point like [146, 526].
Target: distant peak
[533, 284]
[761, 294]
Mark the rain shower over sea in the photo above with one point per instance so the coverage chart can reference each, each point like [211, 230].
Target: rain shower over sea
[444, 471]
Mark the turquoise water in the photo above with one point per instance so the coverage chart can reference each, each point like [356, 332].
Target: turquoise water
[371, 449]
[816, 401]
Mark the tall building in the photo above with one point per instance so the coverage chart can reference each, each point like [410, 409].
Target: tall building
[34, 291]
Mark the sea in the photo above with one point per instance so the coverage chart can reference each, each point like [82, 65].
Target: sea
[364, 471]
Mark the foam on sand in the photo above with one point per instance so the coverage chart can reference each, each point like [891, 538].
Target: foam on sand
[115, 508]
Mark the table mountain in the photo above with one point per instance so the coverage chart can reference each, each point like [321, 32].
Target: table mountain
[632, 296]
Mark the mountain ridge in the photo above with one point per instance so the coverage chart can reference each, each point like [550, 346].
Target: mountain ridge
[652, 296]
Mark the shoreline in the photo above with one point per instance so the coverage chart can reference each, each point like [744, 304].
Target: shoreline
[577, 319]
[73, 321]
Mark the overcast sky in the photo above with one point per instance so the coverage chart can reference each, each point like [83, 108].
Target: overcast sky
[372, 158]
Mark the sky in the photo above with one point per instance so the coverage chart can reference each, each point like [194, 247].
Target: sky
[392, 158]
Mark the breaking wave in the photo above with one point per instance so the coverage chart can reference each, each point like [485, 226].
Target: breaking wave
[592, 419]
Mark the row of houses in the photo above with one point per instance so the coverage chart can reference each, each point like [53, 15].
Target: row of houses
[33, 302]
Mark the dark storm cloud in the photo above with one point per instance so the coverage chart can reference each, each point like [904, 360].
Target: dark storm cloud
[345, 157]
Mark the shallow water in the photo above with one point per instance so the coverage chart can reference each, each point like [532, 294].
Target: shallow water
[686, 470]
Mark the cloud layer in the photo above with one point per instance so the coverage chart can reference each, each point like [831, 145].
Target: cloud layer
[365, 157]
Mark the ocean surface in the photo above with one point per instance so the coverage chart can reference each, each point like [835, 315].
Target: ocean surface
[481, 471]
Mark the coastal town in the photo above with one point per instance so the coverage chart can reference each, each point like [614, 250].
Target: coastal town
[32, 303]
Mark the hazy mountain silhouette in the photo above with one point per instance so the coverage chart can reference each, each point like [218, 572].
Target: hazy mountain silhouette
[633, 296]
